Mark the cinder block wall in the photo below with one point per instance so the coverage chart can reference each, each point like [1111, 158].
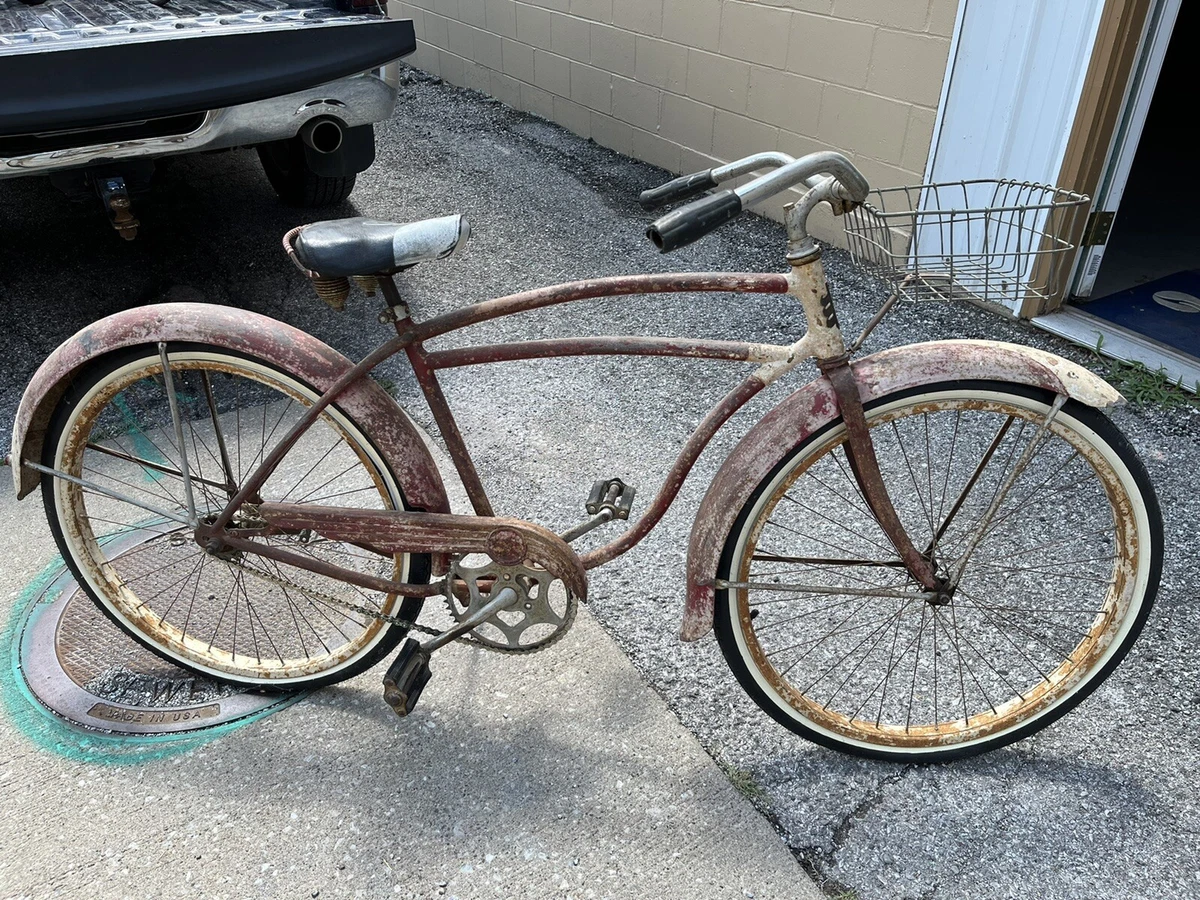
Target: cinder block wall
[688, 84]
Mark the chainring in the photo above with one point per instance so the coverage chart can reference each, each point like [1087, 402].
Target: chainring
[540, 616]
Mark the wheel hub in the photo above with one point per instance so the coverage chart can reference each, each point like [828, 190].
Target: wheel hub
[245, 523]
[941, 598]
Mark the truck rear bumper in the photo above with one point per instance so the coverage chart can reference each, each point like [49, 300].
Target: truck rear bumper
[356, 100]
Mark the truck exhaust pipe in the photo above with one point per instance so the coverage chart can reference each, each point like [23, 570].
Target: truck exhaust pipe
[322, 134]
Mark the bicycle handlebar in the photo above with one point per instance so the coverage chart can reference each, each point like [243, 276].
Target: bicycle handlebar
[823, 162]
[682, 188]
[687, 186]
[691, 222]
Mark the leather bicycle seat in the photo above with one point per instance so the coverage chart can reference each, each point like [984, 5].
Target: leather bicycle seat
[363, 246]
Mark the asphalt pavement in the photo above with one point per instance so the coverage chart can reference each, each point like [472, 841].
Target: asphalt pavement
[568, 773]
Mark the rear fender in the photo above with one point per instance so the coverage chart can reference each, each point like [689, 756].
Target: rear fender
[253, 335]
[814, 406]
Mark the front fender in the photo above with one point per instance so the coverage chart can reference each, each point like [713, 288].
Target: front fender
[814, 406]
[253, 335]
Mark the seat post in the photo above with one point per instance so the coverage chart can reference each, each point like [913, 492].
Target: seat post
[396, 310]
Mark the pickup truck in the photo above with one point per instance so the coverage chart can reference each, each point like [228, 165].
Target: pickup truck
[93, 92]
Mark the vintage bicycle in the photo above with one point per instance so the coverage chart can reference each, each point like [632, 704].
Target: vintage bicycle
[925, 553]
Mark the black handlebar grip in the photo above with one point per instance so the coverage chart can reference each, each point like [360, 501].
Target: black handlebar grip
[688, 223]
[682, 188]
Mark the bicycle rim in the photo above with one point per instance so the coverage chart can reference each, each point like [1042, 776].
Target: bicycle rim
[244, 618]
[835, 639]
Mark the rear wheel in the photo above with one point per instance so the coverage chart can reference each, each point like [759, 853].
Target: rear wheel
[829, 634]
[296, 184]
[237, 617]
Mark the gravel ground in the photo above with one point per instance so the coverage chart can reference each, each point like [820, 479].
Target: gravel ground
[1097, 805]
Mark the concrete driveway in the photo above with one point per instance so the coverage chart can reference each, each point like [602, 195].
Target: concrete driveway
[562, 774]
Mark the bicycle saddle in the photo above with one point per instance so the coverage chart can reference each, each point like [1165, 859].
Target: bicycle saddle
[362, 246]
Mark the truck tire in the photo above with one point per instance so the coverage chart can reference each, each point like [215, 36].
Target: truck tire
[296, 184]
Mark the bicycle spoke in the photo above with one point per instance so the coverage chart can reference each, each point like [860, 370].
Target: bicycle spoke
[195, 593]
[858, 507]
[883, 681]
[162, 617]
[880, 630]
[767, 626]
[146, 464]
[848, 475]
[221, 617]
[318, 604]
[972, 481]
[266, 631]
[138, 432]
[346, 493]
[821, 589]
[827, 561]
[226, 464]
[321, 458]
[916, 665]
[851, 575]
[1026, 632]
[836, 631]
[239, 579]
[945, 481]
[826, 518]
[925, 512]
[173, 403]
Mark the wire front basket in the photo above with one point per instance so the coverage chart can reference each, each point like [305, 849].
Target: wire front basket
[986, 240]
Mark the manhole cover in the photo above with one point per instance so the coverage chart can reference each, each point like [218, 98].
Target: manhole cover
[85, 669]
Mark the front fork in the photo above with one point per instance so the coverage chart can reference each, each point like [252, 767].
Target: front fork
[809, 285]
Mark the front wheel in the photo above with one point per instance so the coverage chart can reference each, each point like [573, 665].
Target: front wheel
[122, 523]
[1051, 574]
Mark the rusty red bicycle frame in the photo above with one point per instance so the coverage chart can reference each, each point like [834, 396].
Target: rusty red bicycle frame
[410, 339]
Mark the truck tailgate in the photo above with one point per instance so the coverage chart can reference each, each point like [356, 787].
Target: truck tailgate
[83, 63]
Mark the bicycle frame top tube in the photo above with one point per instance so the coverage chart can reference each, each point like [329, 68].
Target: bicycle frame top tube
[806, 281]
[426, 363]
[771, 362]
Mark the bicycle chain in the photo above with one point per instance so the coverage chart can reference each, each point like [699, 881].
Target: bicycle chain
[329, 598]
[366, 611]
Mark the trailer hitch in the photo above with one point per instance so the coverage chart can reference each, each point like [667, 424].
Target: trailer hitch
[114, 194]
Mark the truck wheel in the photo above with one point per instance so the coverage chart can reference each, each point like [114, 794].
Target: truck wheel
[297, 184]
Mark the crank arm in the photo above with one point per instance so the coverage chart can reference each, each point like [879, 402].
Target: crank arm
[459, 588]
[503, 599]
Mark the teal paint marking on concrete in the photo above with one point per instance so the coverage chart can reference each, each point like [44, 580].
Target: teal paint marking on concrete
[55, 734]
[142, 445]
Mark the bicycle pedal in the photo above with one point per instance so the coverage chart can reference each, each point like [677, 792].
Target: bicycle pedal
[611, 498]
[611, 494]
[406, 677]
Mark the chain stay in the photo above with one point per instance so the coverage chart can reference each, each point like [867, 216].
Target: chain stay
[345, 604]
[371, 613]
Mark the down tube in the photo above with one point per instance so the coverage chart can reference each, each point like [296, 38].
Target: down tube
[717, 416]
[680, 282]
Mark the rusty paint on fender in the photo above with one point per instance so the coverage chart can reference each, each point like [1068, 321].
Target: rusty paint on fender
[916, 364]
[814, 406]
[257, 337]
